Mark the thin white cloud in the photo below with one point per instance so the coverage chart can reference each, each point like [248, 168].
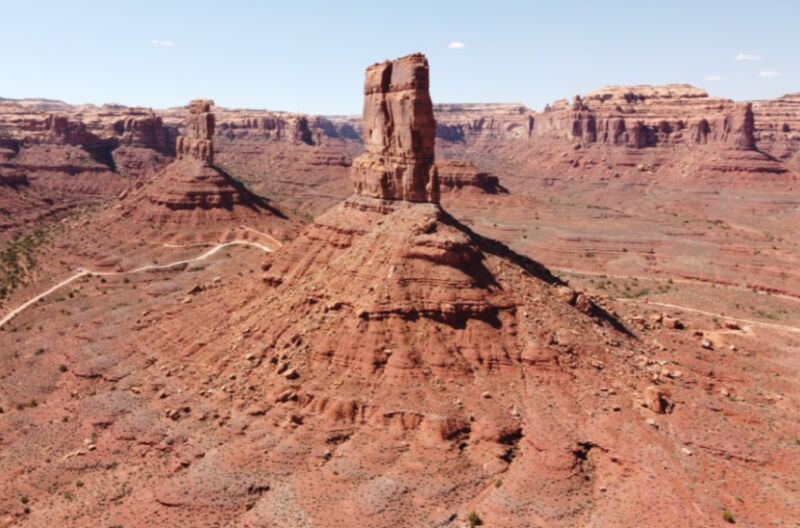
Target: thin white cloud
[769, 73]
[712, 78]
[456, 45]
[162, 43]
[747, 57]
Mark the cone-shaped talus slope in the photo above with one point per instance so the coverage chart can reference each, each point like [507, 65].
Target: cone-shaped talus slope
[189, 192]
[193, 197]
[407, 286]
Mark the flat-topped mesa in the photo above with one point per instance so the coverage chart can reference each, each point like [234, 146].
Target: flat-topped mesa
[196, 141]
[399, 133]
[649, 116]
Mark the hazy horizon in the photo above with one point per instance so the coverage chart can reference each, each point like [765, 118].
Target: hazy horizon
[311, 58]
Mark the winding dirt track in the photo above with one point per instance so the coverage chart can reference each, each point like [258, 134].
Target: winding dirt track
[679, 280]
[215, 249]
[772, 326]
[154, 267]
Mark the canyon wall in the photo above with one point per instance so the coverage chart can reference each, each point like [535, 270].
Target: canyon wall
[778, 128]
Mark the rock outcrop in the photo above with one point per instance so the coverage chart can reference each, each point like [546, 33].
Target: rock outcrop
[457, 175]
[647, 116]
[676, 131]
[399, 133]
[462, 123]
[141, 127]
[388, 265]
[192, 197]
[777, 124]
[197, 141]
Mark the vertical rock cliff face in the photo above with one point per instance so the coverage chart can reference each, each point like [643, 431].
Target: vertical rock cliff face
[141, 128]
[197, 139]
[737, 129]
[778, 128]
[399, 133]
[676, 131]
[648, 116]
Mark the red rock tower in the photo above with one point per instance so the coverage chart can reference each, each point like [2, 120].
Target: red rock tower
[193, 199]
[738, 128]
[399, 133]
[197, 140]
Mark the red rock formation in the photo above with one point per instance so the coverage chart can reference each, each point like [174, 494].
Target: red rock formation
[675, 131]
[61, 130]
[647, 116]
[399, 132]
[197, 139]
[194, 198]
[142, 128]
[456, 175]
[778, 128]
[462, 123]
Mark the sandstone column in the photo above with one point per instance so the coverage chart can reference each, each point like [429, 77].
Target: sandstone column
[399, 133]
[196, 141]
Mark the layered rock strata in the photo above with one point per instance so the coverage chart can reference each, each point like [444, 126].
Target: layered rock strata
[399, 133]
[457, 175]
[192, 193]
[778, 128]
[197, 139]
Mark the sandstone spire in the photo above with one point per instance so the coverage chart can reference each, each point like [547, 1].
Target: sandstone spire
[739, 127]
[399, 133]
[197, 140]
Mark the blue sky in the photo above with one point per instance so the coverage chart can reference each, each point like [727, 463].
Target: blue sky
[310, 56]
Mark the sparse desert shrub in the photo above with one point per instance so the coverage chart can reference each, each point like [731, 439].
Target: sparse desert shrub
[17, 260]
[473, 519]
[728, 517]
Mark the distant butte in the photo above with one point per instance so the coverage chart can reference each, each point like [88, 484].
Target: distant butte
[194, 197]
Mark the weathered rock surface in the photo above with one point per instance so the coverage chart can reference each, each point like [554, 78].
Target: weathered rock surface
[192, 195]
[648, 116]
[399, 132]
[462, 123]
[677, 132]
[398, 367]
[458, 175]
[141, 127]
[197, 140]
[778, 128]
